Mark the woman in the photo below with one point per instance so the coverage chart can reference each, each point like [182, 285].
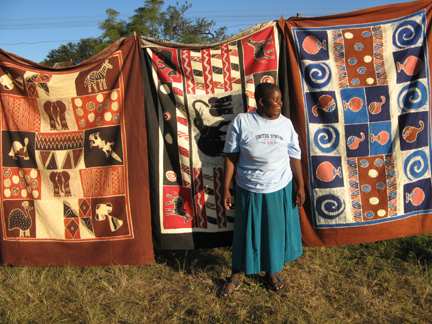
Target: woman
[262, 147]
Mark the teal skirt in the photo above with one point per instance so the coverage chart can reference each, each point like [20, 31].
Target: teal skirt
[266, 230]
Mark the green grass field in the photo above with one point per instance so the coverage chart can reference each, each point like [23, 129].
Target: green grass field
[382, 282]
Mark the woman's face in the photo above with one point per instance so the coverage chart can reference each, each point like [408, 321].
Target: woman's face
[270, 106]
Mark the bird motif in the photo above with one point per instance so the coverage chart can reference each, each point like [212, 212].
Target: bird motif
[21, 220]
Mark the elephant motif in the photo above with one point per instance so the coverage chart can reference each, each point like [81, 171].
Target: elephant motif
[57, 114]
[211, 138]
[60, 181]
[217, 106]
[103, 211]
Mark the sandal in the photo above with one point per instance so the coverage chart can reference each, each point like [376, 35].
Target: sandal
[274, 285]
[224, 292]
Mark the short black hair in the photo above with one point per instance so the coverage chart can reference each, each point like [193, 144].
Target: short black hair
[262, 90]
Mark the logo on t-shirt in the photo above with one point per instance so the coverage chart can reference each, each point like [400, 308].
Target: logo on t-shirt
[269, 139]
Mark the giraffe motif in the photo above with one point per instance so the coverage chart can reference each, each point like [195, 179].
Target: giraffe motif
[259, 53]
[21, 220]
[98, 76]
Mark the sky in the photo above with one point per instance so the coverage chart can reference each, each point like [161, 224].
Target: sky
[31, 29]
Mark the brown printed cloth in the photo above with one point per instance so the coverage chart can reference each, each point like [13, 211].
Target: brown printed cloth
[192, 93]
[360, 101]
[74, 173]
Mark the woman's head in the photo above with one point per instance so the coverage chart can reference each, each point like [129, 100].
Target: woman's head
[269, 100]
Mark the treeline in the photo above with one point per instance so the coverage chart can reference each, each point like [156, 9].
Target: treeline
[150, 20]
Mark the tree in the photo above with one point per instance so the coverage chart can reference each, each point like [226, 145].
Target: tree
[149, 20]
[79, 51]
[113, 28]
[170, 25]
[176, 27]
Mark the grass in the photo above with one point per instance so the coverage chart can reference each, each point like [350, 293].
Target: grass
[382, 282]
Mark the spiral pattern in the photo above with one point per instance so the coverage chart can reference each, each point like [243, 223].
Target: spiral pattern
[329, 206]
[412, 96]
[407, 33]
[317, 75]
[416, 165]
[327, 139]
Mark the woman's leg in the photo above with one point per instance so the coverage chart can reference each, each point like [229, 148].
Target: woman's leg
[232, 284]
[235, 276]
[275, 282]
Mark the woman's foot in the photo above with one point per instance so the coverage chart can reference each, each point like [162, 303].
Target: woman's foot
[228, 288]
[274, 282]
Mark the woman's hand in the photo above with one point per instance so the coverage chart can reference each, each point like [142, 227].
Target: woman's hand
[296, 168]
[300, 196]
[230, 164]
[227, 199]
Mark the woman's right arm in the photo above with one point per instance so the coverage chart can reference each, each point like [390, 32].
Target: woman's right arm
[230, 164]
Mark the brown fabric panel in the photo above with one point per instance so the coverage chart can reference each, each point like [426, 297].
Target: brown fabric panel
[125, 194]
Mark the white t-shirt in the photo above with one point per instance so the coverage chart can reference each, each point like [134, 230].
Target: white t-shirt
[265, 148]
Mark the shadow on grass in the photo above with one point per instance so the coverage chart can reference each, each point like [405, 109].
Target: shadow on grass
[415, 249]
[216, 263]
[190, 261]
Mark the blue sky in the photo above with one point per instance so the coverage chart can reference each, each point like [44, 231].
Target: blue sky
[31, 29]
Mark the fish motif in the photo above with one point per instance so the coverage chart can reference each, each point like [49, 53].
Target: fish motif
[327, 172]
[355, 104]
[381, 138]
[312, 45]
[326, 103]
[410, 133]
[416, 196]
[375, 107]
[411, 66]
[353, 142]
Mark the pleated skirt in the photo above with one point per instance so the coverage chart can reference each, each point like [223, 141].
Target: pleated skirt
[266, 230]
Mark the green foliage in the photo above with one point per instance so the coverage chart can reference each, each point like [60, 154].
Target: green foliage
[171, 25]
[79, 51]
[112, 27]
[149, 20]
[177, 28]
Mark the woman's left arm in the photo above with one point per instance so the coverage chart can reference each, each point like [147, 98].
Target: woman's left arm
[296, 168]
